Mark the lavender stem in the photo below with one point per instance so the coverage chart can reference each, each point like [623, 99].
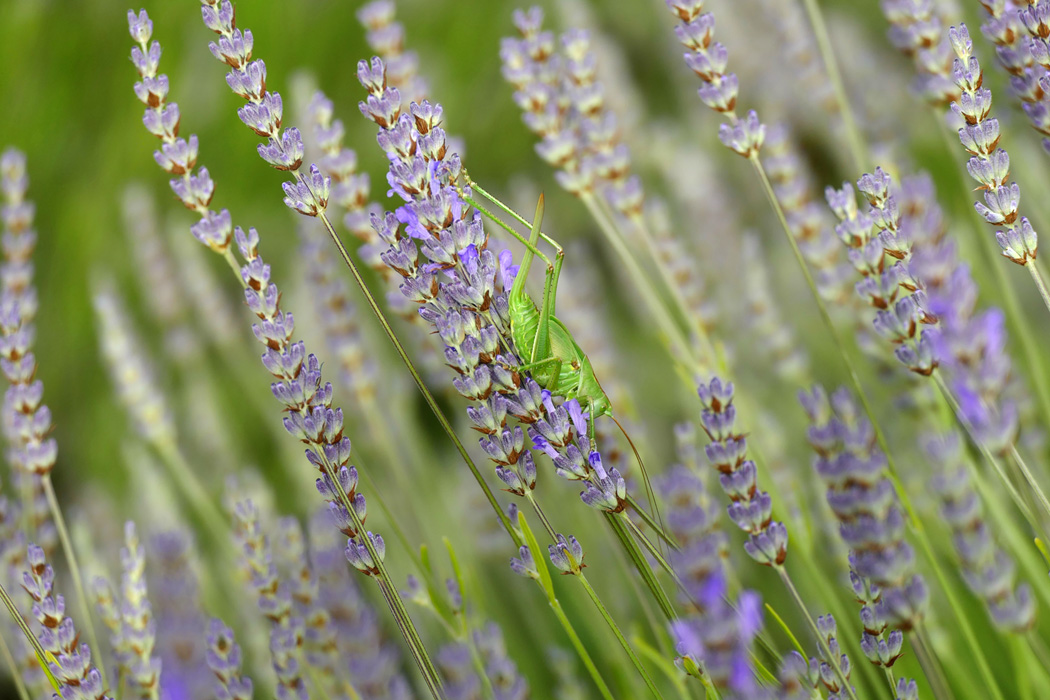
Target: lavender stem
[858, 151]
[930, 666]
[1040, 282]
[41, 655]
[833, 659]
[73, 565]
[641, 282]
[410, 366]
[12, 667]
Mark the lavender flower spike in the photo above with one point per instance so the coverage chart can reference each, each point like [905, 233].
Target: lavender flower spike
[130, 620]
[224, 660]
[80, 680]
[750, 509]
[989, 164]
[708, 59]
[308, 192]
[299, 386]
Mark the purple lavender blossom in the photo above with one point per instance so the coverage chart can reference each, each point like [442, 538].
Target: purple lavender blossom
[138, 628]
[709, 59]
[717, 642]
[989, 164]
[917, 30]
[750, 509]
[871, 521]
[715, 638]
[175, 592]
[880, 249]
[386, 37]
[274, 600]
[988, 570]
[24, 419]
[460, 294]
[224, 660]
[73, 669]
[971, 343]
[308, 192]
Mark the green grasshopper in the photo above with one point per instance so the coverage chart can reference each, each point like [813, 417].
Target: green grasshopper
[544, 344]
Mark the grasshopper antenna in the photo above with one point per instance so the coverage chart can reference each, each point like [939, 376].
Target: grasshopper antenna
[650, 493]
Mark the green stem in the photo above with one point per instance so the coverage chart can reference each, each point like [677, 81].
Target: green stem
[41, 655]
[1018, 499]
[619, 635]
[552, 533]
[581, 650]
[193, 491]
[410, 366]
[1040, 283]
[654, 552]
[390, 593]
[641, 566]
[74, 568]
[475, 659]
[1032, 352]
[1032, 484]
[1021, 657]
[960, 615]
[641, 282]
[858, 151]
[16, 676]
[930, 667]
[1038, 647]
[858, 388]
[651, 522]
[663, 663]
[832, 659]
[890, 679]
[408, 631]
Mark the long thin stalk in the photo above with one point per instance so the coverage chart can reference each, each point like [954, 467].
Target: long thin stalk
[642, 566]
[1031, 482]
[553, 534]
[890, 679]
[16, 676]
[410, 366]
[654, 552]
[1040, 283]
[651, 522]
[193, 491]
[390, 592]
[74, 568]
[41, 655]
[619, 635]
[960, 615]
[407, 628]
[1018, 499]
[1034, 356]
[858, 149]
[930, 667]
[581, 650]
[858, 388]
[832, 659]
[641, 282]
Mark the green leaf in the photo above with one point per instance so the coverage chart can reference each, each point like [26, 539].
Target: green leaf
[537, 555]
